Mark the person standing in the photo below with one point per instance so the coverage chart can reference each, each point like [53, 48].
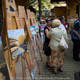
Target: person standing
[75, 34]
[46, 47]
[57, 52]
[63, 22]
[41, 28]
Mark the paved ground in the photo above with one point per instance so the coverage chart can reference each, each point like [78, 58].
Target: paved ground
[70, 67]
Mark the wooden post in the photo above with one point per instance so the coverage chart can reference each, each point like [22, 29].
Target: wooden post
[5, 38]
[79, 10]
[13, 21]
[39, 4]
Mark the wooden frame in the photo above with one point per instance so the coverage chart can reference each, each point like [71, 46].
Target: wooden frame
[14, 20]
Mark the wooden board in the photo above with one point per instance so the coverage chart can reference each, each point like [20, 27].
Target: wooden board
[30, 17]
[13, 23]
[18, 23]
[24, 20]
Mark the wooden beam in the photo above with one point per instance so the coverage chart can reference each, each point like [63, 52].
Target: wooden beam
[39, 3]
[26, 3]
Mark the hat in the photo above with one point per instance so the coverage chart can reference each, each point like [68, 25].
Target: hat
[48, 20]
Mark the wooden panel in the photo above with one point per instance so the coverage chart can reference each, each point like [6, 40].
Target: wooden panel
[60, 11]
[25, 21]
[21, 12]
[72, 15]
[12, 22]
[15, 22]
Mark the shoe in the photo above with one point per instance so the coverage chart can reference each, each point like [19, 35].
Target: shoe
[60, 70]
[47, 64]
[55, 71]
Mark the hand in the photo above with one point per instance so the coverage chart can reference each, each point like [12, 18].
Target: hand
[61, 48]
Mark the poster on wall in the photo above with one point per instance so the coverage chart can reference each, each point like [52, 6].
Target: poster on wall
[17, 42]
